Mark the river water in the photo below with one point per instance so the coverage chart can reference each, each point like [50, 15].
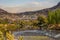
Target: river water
[52, 34]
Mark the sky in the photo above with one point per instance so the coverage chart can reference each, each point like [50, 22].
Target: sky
[26, 5]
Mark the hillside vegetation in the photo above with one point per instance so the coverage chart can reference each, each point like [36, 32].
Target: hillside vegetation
[52, 22]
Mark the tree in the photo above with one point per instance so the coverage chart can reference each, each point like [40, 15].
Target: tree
[42, 21]
[34, 24]
[54, 18]
[20, 24]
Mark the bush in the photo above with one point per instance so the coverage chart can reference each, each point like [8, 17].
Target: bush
[54, 18]
[42, 21]
[1, 36]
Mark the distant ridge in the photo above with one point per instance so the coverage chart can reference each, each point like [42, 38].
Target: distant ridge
[5, 14]
[33, 12]
[43, 11]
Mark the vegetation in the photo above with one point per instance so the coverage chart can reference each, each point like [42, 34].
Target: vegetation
[54, 19]
[35, 38]
[42, 22]
[20, 38]
[9, 36]
[1, 36]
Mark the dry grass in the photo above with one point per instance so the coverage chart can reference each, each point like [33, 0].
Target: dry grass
[37, 38]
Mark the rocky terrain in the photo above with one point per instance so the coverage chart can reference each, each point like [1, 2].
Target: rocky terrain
[27, 15]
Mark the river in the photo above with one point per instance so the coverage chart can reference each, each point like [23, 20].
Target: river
[51, 34]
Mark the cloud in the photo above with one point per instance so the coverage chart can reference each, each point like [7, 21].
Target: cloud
[44, 4]
[35, 3]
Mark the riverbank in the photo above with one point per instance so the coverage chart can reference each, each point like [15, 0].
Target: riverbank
[27, 33]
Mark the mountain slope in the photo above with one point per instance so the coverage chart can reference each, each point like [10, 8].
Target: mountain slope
[27, 15]
[44, 11]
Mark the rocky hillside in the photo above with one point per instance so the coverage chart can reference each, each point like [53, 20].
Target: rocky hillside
[44, 11]
[27, 15]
